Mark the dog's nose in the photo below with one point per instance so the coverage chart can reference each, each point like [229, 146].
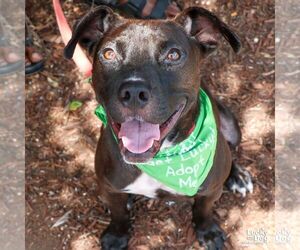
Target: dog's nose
[134, 94]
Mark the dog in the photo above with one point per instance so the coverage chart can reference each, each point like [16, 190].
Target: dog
[147, 77]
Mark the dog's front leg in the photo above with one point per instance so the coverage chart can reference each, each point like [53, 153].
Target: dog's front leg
[116, 235]
[208, 232]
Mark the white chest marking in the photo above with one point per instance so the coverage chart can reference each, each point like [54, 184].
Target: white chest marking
[166, 144]
[147, 186]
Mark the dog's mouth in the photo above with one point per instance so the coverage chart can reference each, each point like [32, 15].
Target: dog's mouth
[139, 141]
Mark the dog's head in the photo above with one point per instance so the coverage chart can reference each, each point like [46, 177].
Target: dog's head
[146, 73]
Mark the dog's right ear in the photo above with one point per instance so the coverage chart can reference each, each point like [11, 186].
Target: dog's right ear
[90, 29]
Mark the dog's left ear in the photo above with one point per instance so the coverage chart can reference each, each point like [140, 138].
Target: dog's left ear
[207, 29]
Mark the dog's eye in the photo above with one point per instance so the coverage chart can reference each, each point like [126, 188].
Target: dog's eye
[173, 55]
[109, 54]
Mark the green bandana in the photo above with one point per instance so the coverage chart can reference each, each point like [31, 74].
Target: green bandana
[184, 166]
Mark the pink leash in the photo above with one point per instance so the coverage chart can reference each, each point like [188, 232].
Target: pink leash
[79, 57]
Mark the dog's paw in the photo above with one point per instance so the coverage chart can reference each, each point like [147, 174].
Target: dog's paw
[239, 181]
[111, 241]
[212, 238]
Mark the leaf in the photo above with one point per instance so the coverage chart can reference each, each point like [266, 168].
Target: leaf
[52, 82]
[88, 80]
[74, 105]
[233, 14]
[62, 220]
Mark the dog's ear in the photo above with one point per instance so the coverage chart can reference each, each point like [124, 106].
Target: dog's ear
[89, 29]
[207, 29]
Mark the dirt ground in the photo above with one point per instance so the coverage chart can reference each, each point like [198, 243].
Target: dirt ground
[63, 210]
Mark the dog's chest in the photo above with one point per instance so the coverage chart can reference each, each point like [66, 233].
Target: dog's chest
[147, 186]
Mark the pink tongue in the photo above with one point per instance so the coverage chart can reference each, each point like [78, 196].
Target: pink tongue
[138, 136]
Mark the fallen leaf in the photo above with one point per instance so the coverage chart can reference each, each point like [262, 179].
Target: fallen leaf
[74, 105]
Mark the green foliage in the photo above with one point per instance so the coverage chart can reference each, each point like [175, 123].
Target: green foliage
[74, 105]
